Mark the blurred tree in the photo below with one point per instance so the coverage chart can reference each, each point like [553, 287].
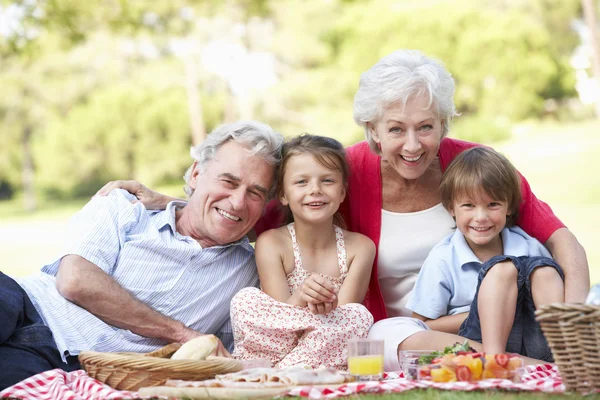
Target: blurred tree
[110, 89]
[589, 11]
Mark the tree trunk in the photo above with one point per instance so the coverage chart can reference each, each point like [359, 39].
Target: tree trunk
[28, 173]
[194, 102]
[589, 13]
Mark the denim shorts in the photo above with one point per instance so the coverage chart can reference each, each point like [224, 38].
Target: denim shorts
[27, 346]
[526, 337]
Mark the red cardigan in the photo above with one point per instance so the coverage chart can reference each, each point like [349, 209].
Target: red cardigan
[362, 208]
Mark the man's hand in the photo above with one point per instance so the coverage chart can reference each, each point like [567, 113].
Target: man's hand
[319, 294]
[150, 199]
[219, 351]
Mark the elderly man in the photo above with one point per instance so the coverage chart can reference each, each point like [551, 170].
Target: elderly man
[135, 280]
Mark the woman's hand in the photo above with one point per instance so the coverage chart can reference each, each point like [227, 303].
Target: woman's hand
[150, 199]
[319, 294]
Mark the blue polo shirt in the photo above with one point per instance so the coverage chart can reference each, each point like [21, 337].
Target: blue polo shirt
[447, 281]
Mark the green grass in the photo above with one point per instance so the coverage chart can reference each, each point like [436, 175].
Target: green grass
[434, 394]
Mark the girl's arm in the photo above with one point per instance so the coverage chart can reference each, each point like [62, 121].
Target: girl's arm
[355, 285]
[447, 323]
[271, 272]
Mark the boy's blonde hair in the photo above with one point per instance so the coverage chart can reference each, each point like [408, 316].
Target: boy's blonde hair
[481, 169]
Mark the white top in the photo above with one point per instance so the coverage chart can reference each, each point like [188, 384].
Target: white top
[406, 239]
[448, 279]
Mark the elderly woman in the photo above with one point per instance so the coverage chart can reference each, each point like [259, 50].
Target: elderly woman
[405, 105]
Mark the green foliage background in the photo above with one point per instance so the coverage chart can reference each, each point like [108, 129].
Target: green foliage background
[94, 91]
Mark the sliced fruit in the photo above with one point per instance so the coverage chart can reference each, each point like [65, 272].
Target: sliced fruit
[502, 359]
[487, 374]
[424, 372]
[463, 373]
[476, 367]
[514, 363]
[443, 374]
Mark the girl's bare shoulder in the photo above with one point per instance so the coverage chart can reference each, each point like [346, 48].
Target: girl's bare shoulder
[277, 236]
[356, 242]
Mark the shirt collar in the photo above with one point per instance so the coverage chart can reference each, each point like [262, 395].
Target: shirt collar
[167, 217]
[463, 252]
[513, 244]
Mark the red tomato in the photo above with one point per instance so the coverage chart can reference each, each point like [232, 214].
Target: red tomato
[502, 359]
[463, 373]
[424, 372]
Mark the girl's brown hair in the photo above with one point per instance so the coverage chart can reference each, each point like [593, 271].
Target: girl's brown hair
[327, 151]
[482, 169]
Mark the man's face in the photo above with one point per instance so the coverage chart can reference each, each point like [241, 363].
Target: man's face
[229, 195]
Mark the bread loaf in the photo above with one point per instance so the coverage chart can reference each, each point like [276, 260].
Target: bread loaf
[197, 349]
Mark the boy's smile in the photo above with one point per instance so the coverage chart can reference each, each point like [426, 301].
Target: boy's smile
[480, 219]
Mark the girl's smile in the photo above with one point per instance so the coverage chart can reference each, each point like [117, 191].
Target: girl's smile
[311, 190]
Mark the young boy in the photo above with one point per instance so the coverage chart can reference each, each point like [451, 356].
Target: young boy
[485, 280]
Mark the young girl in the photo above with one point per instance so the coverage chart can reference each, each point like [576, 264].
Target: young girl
[313, 274]
[485, 281]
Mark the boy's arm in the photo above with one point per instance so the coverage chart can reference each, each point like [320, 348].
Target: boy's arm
[447, 323]
[433, 289]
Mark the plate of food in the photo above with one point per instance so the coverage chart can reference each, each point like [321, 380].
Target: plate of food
[249, 383]
[460, 362]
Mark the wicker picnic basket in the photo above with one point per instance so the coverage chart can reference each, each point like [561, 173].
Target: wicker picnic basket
[573, 334]
[131, 371]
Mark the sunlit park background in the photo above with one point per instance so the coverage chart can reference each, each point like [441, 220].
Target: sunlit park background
[97, 90]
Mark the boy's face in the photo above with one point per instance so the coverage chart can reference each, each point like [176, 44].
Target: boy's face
[480, 219]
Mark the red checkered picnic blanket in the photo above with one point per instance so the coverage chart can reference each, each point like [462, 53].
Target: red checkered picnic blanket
[57, 384]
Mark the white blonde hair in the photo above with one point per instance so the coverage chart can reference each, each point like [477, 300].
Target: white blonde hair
[395, 78]
[260, 139]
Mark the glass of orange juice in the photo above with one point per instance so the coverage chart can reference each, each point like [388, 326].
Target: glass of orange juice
[365, 359]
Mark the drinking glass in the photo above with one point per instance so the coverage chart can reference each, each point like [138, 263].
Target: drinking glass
[365, 359]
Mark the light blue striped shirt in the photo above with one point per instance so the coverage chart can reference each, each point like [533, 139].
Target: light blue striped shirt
[143, 252]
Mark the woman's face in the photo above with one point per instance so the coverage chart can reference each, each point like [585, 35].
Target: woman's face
[409, 136]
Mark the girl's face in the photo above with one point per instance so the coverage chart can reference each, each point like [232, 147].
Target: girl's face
[311, 190]
[480, 219]
[409, 136]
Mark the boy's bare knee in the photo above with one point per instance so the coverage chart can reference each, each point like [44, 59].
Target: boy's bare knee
[504, 270]
[544, 273]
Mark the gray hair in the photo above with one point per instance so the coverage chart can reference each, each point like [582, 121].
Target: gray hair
[260, 139]
[398, 76]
